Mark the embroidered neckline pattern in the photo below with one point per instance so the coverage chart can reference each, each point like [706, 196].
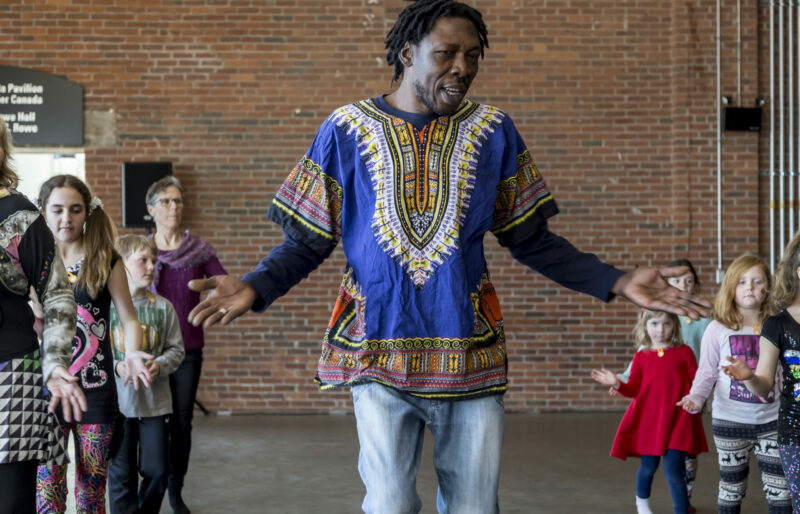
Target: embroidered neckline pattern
[423, 180]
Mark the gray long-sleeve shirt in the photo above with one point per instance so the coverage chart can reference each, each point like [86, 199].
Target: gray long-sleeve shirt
[161, 337]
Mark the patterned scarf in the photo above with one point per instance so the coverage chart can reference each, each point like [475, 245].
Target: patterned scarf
[191, 252]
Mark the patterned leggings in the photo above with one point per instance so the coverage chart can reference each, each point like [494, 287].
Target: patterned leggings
[92, 445]
[735, 442]
[790, 456]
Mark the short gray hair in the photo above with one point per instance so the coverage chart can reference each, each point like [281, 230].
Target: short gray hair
[161, 185]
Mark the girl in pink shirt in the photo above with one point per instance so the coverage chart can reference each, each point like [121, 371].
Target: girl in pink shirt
[780, 342]
[742, 422]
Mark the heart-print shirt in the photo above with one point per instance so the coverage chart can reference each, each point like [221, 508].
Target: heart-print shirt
[92, 361]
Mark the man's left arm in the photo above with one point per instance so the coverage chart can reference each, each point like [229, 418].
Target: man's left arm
[557, 259]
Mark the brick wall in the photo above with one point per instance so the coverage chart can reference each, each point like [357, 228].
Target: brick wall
[616, 100]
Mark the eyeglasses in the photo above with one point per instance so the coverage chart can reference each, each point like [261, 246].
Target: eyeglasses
[165, 202]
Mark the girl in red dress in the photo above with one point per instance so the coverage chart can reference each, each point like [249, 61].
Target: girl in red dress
[654, 426]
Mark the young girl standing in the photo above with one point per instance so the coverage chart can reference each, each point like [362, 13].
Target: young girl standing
[780, 342]
[85, 237]
[742, 422]
[692, 333]
[653, 426]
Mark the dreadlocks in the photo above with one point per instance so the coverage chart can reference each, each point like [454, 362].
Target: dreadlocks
[417, 20]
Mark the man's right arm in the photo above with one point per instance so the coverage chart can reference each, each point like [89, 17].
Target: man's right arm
[284, 267]
[308, 207]
[287, 264]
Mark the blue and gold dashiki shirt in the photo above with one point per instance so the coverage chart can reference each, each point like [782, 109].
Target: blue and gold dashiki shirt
[416, 309]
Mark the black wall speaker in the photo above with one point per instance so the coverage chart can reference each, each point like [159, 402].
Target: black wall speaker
[742, 118]
[136, 178]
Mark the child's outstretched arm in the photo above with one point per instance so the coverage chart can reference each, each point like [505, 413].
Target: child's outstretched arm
[686, 402]
[628, 389]
[606, 378]
[706, 375]
[761, 381]
[131, 328]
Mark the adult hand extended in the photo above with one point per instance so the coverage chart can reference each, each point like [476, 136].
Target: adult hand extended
[64, 390]
[648, 288]
[228, 299]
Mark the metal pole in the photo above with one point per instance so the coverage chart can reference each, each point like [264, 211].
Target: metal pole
[739, 52]
[772, 136]
[790, 119]
[781, 135]
[719, 145]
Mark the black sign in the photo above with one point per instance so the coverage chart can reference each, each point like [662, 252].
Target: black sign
[136, 180]
[41, 109]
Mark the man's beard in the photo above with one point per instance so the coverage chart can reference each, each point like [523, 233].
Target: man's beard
[424, 99]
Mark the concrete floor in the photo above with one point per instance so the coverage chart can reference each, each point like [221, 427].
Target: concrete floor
[552, 463]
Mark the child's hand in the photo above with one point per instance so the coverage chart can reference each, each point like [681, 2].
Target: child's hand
[64, 390]
[154, 369]
[137, 370]
[37, 309]
[737, 369]
[121, 368]
[688, 405]
[613, 392]
[605, 377]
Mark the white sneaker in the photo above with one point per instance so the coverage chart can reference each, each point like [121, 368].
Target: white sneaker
[643, 506]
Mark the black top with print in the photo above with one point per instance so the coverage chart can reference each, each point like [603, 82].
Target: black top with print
[784, 332]
[92, 361]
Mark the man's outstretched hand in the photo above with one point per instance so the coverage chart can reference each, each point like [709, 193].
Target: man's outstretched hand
[648, 288]
[228, 298]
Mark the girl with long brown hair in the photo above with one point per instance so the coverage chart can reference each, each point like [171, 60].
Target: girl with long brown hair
[85, 237]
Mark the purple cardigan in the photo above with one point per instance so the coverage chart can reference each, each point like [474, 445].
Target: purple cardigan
[194, 258]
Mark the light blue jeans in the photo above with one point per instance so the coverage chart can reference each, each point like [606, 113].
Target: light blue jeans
[468, 437]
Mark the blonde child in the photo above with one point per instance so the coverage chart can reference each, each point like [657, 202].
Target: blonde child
[692, 332]
[653, 426]
[780, 342]
[742, 422]
[143, 450]
[85, 237]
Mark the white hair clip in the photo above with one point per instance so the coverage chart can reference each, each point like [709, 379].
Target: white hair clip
[94, 204]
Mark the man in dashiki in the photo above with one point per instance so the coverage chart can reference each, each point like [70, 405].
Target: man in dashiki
[410, 182]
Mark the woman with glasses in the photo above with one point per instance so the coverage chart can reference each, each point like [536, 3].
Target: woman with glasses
[182, 257]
